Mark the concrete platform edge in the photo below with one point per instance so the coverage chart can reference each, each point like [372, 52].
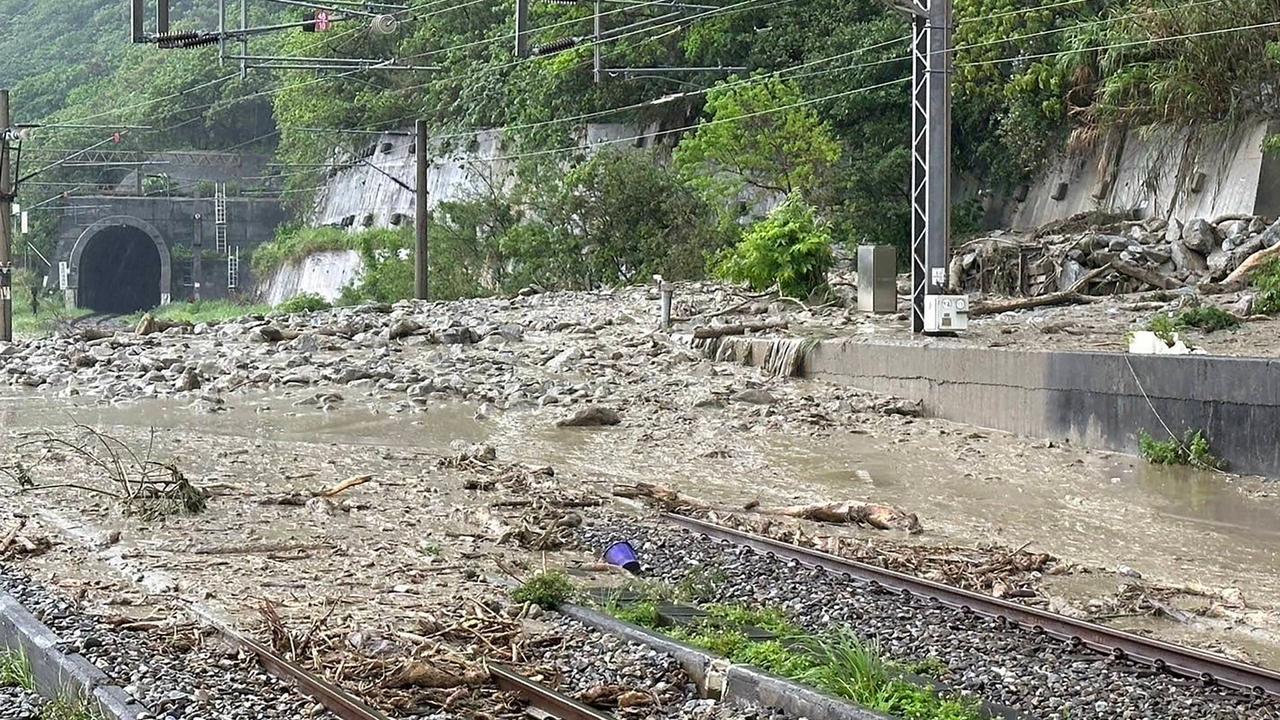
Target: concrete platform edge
[58, 674]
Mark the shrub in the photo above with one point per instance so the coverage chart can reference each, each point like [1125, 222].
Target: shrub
[292, 244]
[1267, 282]
[1192, 449]
[302, 303]
[787, 249]
[1207, 319]
[1163, 327]
[548, 590]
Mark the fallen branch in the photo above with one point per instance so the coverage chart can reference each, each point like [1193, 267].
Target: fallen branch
[1070, 296]
[345, 485]
[1149, 277]
[1251, 264]
[881, 517]
[718, 331]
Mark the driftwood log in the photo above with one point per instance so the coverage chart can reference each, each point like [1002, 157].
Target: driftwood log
[1150, 277]
[1070, 296]
[718, 331]
[880, 517]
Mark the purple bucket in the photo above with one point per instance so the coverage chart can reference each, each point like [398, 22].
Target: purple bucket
[624, 556]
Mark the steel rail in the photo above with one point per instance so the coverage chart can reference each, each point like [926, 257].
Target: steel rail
[1187, 662]
[543, 698]
[336, 700]
[348, 707]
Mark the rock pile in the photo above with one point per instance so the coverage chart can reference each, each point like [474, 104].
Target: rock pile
[592, 356]
[1109, 256]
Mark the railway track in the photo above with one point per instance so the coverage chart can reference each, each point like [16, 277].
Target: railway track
[543, 702]
[1186, 662]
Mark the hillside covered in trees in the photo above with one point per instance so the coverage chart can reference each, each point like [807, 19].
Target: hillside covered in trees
[820, 113]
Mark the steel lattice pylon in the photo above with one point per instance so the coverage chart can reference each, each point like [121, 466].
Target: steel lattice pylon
[930, 151]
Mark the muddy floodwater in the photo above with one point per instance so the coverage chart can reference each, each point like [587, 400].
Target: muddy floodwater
[1214, 535]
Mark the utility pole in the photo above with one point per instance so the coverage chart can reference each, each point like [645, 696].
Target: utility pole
[931, 168]
[6, 223]
[522, 28]
[422, 216]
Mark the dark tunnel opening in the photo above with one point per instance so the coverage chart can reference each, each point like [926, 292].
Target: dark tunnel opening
[119, 271]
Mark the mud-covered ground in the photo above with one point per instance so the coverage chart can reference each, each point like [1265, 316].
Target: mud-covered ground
[268, 415]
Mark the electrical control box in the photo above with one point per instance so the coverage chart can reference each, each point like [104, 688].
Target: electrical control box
[945, 313]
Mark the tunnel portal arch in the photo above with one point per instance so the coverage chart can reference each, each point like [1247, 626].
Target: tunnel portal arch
[121, 264]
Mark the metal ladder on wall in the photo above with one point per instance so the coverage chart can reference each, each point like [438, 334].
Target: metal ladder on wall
[233, 268]
[220, 217]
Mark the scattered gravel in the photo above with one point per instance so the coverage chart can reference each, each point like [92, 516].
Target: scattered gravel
[206, 682]
[1010, 666]
[18, 704]
[618, 662]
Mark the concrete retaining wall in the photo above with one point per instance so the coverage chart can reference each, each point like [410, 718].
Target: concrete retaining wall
[1152, 172]
[323, 274]
[1092, 399]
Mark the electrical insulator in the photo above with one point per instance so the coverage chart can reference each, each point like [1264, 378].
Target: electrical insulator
[563, 2]
[556, 46]
[384, 24]
[198, 41]
[171, 40]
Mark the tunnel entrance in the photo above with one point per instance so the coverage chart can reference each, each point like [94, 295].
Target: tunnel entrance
[120, 271]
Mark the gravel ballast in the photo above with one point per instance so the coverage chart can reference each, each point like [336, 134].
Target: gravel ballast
[207, 681]
[1010, 666]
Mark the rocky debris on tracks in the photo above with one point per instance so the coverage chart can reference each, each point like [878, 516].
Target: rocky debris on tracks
[1010, 666]
[20, 704]
[177, 674]
[570, 350]
[1110, 255]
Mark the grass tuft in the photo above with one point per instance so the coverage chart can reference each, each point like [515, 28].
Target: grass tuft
[1193, 449]
[548, 590]
[15, 671]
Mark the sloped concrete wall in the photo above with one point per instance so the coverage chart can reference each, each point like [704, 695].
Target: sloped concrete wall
[358, 196]
[1152, 172]
[324, 274]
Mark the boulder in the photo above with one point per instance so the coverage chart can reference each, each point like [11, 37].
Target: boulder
[402, 328]
[755, 396]
[591, 416]
[1200, 236]
[1184, 258]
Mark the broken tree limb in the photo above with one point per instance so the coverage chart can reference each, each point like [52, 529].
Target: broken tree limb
[1150, 277]
[1241, 274]
[705, 332]
[657, 494]
[345, 485]
[11, 536]
[881, 517]
[1070, 296]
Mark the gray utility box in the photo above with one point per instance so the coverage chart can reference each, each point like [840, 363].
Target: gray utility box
[877, 279]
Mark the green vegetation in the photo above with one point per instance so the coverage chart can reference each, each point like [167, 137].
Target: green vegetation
[548, 590]
[837, 662]
[1207, 319]
[68, 709]
[788, 249]
[15, 671]
[1266, 280]
[294, 244]
[1029, 81]
[302, 303]
[202, 311]
[1193, 449]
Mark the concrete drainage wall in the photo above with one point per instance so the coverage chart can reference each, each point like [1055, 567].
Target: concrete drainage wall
[60, 674]
[1098, 400]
